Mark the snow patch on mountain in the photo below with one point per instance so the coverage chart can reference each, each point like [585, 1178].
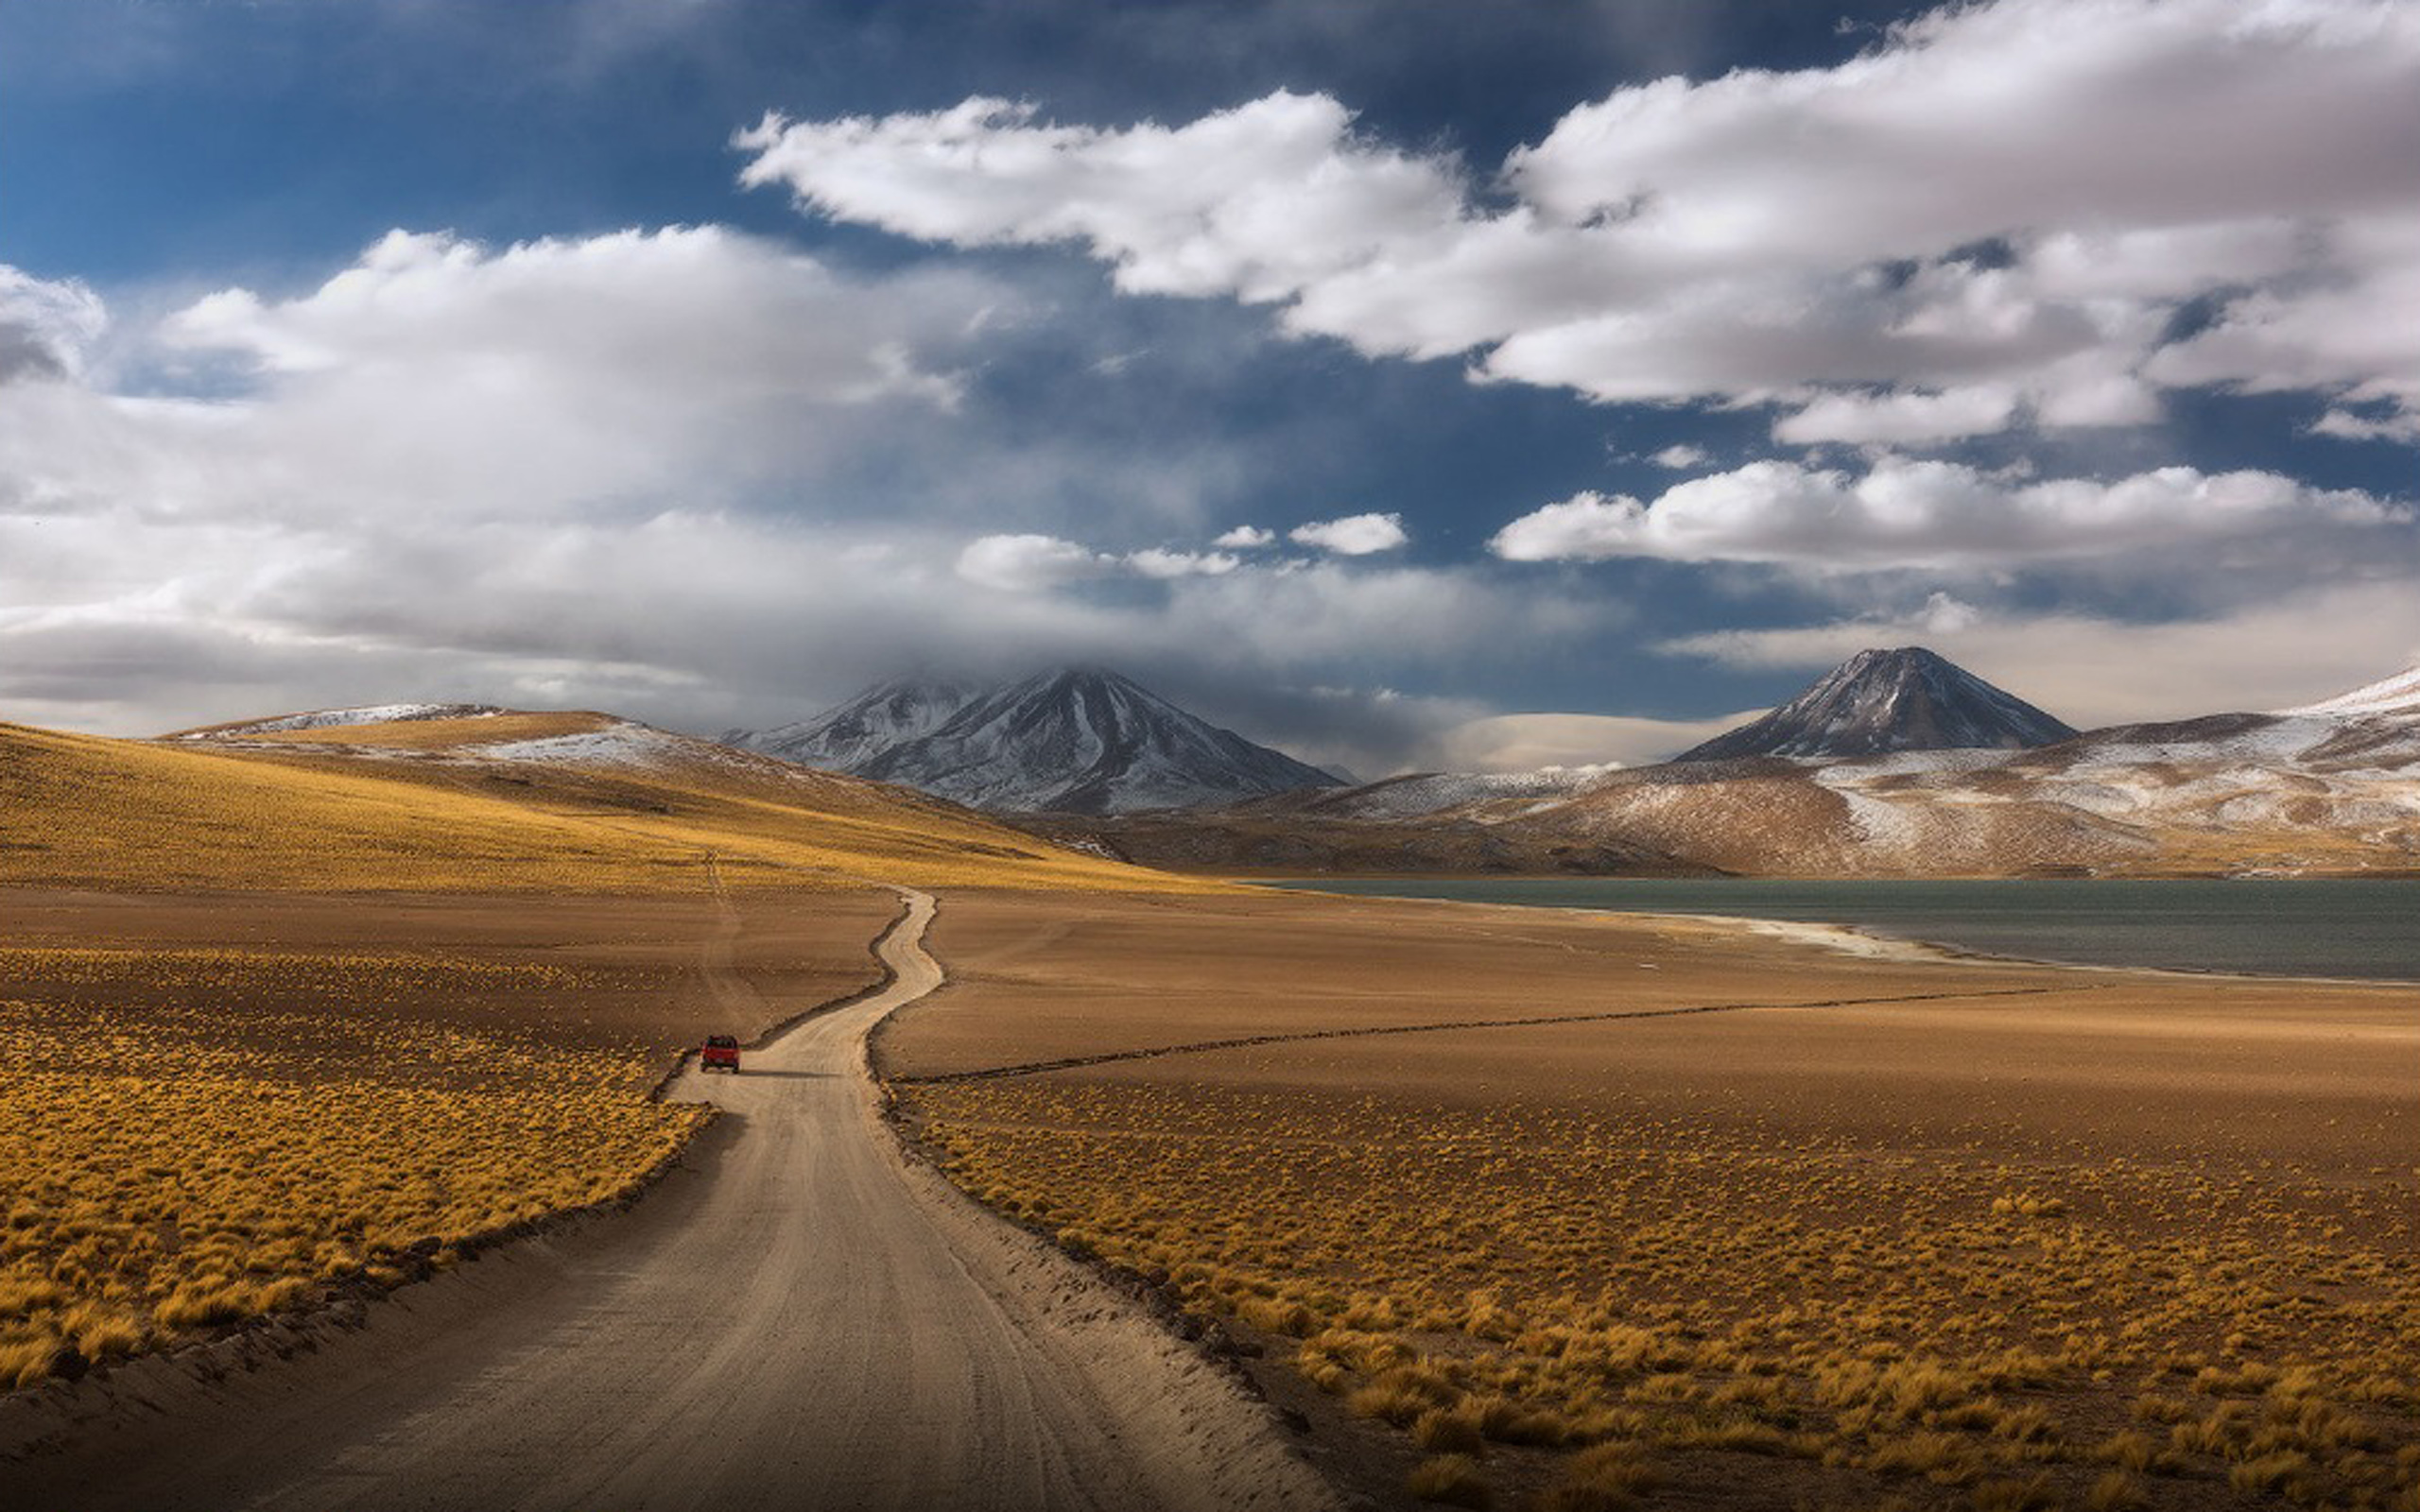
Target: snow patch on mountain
[621, 744]
[1404, 798]
[380, 713]
[2395, 697]
[885, 715]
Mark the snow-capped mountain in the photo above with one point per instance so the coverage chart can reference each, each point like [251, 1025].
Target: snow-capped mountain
[2230, 794]
[1076, 742]
[1878, 702]
[886, 714]
[2395, 697]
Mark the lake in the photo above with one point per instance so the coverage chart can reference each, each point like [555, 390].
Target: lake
[2347, 928]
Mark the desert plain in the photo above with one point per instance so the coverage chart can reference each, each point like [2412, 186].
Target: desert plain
[1489, 1206]
[1599, 1211]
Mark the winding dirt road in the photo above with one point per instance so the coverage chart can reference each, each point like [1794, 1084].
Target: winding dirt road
[801, 1319]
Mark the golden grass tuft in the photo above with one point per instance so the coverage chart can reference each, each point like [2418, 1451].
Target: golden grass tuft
[1402, 1396]
[1608, 1478]
[1444, 1430]
[1450, 1480]
[2116, 1491]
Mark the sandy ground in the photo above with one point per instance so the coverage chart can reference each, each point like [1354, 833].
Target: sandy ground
[637, 970]
[800, 1318]
[1760, 1026]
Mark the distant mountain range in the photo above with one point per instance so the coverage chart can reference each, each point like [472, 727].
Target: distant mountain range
[2331, 788]
[1878, 702]
[1854, 777]
[1075, 741]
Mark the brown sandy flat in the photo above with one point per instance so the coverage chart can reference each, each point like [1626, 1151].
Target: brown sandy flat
[667, 971]
[2316, 1075]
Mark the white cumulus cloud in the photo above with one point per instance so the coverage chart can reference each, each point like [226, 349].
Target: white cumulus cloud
[1024, 563]
[1908, 418]
[1244, 537]
[1914, 513]
[1996, 213]
[1160, 562]
[1355, 534]
[449, 378]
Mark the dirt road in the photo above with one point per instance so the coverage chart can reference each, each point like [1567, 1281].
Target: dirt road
[802, 1320]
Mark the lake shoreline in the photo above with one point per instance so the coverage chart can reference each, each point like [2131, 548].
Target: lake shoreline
[2158, 931]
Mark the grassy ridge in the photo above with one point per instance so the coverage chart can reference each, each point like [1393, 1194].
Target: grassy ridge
[77, 810]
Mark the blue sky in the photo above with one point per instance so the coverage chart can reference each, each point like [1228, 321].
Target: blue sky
[1411, 384]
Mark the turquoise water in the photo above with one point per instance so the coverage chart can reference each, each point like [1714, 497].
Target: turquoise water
[2270, 928]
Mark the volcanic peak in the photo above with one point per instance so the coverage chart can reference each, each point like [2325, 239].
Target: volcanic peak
[1080, 740]
[1882, 702]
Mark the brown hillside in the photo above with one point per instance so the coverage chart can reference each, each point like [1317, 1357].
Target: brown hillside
[410, 808]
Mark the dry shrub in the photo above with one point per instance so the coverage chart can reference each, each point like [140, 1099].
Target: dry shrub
[26, 1359]
[2028, 1205]
[1444, 1430]
[1453, 1480]
[2132, 1451]
[1276, 1316]
[2116, 1491]
[2152, 1408]
[1607, 1478]
[2030, 1424]
[2034, 1494]
[1948, 1458]
[2269, 1471]
[1733, 1435]
[1508, 1422]
[1907, 1387]
[1400, 1395]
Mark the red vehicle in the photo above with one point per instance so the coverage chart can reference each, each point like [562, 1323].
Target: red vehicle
[721, 1052]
